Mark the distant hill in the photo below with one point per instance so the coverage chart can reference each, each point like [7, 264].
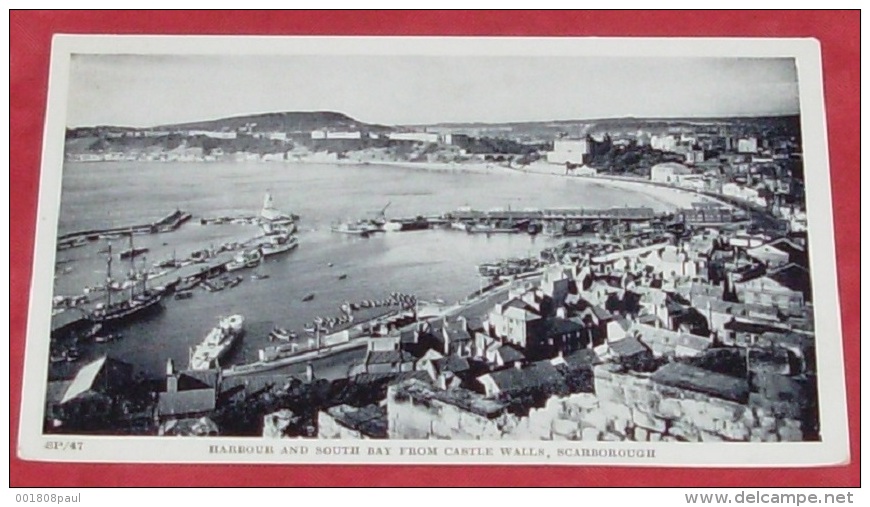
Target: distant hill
[295, 121]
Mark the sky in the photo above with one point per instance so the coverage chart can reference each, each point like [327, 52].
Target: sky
[150, 90]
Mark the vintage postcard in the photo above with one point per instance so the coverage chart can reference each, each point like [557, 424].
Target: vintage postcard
[435, 250]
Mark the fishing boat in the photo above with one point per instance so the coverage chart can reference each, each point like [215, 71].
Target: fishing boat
[247, 259]
[71, 243]
[406, 224]
[169, 263]
[491, 229]
[92, 332]
[73, 355]
[342, 276]
[362, 228]
[278, 243]
[214, 285]
[183, 294]
[259, 276]
[308, 297]
[281, 334]
[106, 338]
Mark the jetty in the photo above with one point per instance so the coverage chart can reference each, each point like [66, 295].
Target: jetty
[169, 223]
[554, 214]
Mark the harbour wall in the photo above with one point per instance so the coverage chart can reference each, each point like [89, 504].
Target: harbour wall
[169, 222]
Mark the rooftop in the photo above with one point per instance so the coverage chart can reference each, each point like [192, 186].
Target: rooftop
[628, 347]
[792, 276]
[451, 363]
[388, 357]
[581, 358]
[114, 372]
[740, 326]
[198, 379]
[194, 401]
[510, 354]
[534, 376]
[703, 381]
[370, 420]
[391, 378]
[422, 393]
[559, 326]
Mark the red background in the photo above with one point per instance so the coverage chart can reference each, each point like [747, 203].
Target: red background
[30, 42]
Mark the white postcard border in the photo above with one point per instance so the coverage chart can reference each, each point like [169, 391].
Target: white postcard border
[832, 450]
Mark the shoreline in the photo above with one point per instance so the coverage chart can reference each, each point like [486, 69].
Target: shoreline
[671, 196]
[667, 195]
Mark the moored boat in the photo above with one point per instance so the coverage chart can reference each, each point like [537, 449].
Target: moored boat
[362, 228]
[491, 229]
[278, 243]
[217, 343]
[73, 355]
[406, 224]
[141, 299]
[281, 334]
[106, 338]
[132, 252]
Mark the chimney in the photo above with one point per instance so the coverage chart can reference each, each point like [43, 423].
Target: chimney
[309, 372]
[170, 367]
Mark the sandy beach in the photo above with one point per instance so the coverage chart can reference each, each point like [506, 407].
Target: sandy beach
[670, 196]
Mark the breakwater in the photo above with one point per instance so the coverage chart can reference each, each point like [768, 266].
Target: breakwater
[168, 223]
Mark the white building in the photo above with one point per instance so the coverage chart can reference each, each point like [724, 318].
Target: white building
[663, 143]
[669, 172]
[323, 134]
[568, 151]
[694, 156]
[419, 137]
[212, 134]
[747, 145]
[344, 135]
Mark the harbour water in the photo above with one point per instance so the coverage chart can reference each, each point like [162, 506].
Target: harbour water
[430, 263]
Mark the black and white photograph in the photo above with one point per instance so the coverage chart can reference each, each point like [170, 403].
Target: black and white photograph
[429, 250]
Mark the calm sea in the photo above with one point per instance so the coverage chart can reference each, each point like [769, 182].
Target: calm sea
[432, 264]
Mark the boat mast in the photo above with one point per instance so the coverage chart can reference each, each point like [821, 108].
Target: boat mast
[132, 267]
[144, 274]
[109, 276]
